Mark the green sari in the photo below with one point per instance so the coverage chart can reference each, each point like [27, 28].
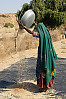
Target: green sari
[47, 54]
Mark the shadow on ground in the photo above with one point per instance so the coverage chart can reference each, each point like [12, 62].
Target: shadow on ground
[9, 76]
[60, 79]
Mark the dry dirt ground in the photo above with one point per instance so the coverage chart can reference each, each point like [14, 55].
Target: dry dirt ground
[18, 79]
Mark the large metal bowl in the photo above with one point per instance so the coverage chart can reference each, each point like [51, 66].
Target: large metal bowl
[28, 18]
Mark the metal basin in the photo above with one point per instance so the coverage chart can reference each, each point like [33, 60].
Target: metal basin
[28, 18]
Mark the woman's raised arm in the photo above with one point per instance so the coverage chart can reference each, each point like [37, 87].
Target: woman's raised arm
[29, 31]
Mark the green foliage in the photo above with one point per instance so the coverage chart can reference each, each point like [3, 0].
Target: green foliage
[25, 7]
[9, 25]
[3, 15]
[50, 12]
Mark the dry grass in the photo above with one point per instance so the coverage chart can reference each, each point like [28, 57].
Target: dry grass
[63, 51]
[24, 41]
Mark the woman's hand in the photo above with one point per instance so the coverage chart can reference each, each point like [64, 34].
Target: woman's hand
[20, 23]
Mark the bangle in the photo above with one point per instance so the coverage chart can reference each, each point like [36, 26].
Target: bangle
[36, 33]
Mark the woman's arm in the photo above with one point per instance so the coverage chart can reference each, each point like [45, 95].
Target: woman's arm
[35, 34]
[29, 31]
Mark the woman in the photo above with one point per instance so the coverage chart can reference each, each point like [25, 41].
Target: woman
[45, 69]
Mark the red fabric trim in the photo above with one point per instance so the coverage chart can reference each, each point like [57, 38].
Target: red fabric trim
[51, 82]
[36, 33]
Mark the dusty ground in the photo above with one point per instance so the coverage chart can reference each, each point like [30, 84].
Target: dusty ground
[18, 80]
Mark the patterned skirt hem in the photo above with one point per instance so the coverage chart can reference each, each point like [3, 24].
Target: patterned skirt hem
[41, 82]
